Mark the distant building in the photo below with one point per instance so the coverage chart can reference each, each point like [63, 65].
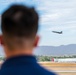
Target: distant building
[70, 60]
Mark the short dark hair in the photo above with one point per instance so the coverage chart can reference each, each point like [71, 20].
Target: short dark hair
[19, 21]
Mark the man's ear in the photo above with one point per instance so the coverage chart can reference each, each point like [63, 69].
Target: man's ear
[1, 40]
[36, 41]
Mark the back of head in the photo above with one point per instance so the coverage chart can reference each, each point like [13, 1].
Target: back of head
[19, 22]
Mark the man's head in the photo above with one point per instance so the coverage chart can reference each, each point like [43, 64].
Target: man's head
[19, 27]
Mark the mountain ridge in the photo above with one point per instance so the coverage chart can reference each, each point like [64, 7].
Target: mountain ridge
[56, 50]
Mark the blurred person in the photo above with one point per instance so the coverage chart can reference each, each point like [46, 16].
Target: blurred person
[19, 38]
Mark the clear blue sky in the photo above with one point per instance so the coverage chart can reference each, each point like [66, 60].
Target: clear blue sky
[57, 15]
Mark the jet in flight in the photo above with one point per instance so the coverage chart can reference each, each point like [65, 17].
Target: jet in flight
[57, 32]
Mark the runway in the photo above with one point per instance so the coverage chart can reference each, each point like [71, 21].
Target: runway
[60, 68]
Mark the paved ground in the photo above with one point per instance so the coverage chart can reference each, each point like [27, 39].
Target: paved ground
[60, 68]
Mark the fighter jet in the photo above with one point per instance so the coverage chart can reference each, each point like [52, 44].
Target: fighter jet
[57, 32]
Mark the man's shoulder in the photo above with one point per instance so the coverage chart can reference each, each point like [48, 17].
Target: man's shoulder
[34, 69]
[44, 71]
[37, 71]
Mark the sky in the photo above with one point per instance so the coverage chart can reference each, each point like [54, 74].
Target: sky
[55, 15]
